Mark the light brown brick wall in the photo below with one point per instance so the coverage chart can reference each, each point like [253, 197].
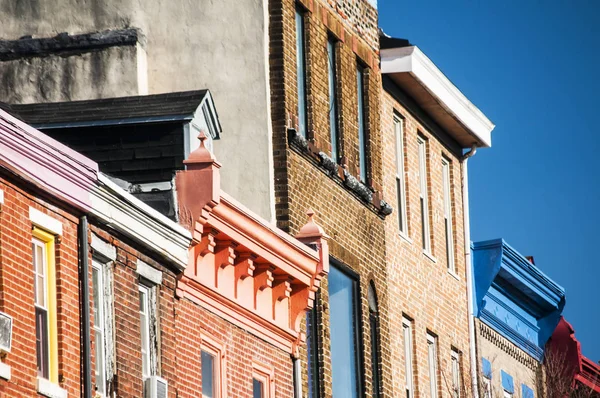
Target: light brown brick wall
[421, 288]
[504, 355]
[356, 230]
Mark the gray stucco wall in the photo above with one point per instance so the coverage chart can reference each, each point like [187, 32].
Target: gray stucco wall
[214, 44]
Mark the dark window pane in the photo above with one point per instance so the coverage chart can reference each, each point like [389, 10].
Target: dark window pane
[399, 210]
[362, 139]
[311, 348]
[423, 221]
[332, 100]
[208, 374]
[41, 342]
[257, 389]
[301, 73]
[374, 353]
[342, 299]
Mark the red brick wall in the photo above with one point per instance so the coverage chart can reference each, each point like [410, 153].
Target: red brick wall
[240, 351]
[17, 296]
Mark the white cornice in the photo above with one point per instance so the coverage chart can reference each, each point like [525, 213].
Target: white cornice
[413, 61]
[130, 216]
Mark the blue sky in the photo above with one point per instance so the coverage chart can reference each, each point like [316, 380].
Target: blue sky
[533, 68]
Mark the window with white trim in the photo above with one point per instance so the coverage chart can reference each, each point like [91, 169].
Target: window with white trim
[423, 195]
[43, 258]
[487, 388]
[99, 326]
[408, 356]
[432, 364]
[447, 186]
[455, 362]
[145, 308]
[400, 183]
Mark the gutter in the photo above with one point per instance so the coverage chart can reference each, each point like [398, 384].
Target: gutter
[82, 237]
[468, 266]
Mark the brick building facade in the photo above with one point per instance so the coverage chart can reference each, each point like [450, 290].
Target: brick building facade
[517, 309]
[156, 315]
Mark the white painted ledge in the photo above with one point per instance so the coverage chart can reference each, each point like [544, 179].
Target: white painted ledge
[102, 249]
[149, 272]
[49, 389]
[45, 222]
[4, 369]
[1, 197]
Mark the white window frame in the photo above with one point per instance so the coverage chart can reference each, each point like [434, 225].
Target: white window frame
[37, 243]
[300, 30]
[487, 387]
[408, 357]
[145, 326]
[432, 365]
[448, 219]
[100, 330]
[423, 195]
[507, 394]
[455, 362]
[400, 178]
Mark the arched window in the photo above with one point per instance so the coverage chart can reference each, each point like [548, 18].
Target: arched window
[375, 349]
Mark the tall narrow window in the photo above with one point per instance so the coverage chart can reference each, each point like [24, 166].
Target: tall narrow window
[261, 382]
[375, 345]
[208, 374]
[486, 370]
[455, 359]
[333, 113]
[408, 356]
[312, 349]
[211, 356]
[432, 363]
[99, 330]
[423, 195]
[43, 257]
[301, 72]
[448, 215]
[508, 385]
[42, 332]
[400, 185]
[343, 296]
[362, 138]
[145, 328]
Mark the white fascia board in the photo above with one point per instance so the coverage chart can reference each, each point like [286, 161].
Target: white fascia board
[412, 60]
[130, 216]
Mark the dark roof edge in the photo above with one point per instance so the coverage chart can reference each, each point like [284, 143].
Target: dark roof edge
[386, 41]
[28, 47]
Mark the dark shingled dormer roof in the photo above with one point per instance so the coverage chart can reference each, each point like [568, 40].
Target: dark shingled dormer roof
[175, 106]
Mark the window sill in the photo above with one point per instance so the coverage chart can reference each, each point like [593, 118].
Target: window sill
[454, 275]
[405, 237]
[429, 256]
[4, 371]
[49, 389]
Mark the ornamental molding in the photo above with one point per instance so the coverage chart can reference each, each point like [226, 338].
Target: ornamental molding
[242, 268]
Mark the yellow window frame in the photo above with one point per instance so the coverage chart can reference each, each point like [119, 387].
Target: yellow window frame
[48, 240]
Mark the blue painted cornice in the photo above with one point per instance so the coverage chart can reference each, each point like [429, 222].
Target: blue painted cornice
[514, 297]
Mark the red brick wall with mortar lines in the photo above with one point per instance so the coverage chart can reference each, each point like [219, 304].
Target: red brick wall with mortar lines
[17, 295]
[420, 288]
[240, 351]
[357, 233]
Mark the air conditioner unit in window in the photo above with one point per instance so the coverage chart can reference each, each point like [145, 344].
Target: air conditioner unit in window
[155, 387]
[5, 332]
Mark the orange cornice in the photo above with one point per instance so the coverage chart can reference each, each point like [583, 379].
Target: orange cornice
[242, 268]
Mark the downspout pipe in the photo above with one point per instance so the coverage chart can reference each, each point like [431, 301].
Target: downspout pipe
[86, 354]
[468, 266]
